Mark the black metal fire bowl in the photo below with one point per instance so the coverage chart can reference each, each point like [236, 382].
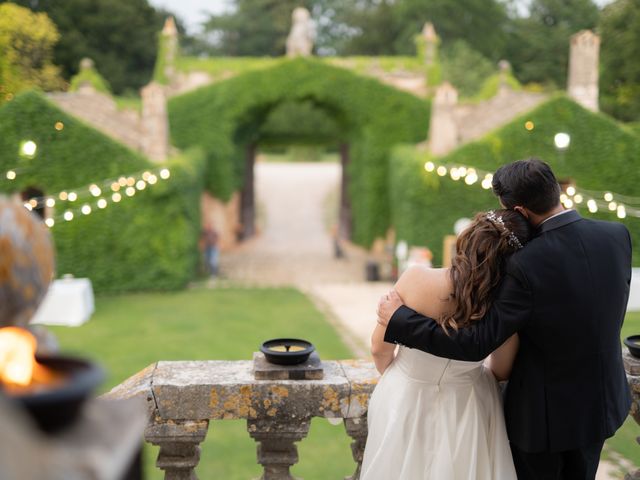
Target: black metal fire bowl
[56, 408]
[280, 351]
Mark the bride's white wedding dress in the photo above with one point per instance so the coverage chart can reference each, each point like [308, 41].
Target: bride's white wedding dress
[431, 418]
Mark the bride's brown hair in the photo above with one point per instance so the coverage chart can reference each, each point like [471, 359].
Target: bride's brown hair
[478, 265]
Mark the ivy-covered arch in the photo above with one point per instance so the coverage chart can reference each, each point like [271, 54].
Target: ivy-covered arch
[372, 117]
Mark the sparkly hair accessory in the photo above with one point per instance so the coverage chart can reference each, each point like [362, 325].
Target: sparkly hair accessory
[498, 221]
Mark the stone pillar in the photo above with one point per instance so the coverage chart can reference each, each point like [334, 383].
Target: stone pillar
[247, 195]
[430, 39]
[443, 129]
[276, 449]
[582, 83]
[170, 36]
[357, 429]
[155, 122]
[179, 446]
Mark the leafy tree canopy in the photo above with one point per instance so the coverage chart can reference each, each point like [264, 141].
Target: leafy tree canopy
[538, 44]
[26, 50]
[119, 35]
[620, 64]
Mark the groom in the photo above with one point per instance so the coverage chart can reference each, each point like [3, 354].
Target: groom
[565, 294]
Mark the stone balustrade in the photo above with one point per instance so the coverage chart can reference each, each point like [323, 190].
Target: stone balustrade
[183, 397]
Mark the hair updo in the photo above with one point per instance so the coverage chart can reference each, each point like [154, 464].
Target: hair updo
[478, 265]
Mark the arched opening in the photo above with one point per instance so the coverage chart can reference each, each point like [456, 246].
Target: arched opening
[306, 124]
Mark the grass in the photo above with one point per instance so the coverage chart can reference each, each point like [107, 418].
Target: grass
[129, 332]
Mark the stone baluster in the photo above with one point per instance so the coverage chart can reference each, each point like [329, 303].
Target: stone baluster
[277, 451]
[632, 367]
[357, 430]
[179, 442]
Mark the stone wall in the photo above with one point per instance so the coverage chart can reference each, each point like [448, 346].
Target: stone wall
[100, 111]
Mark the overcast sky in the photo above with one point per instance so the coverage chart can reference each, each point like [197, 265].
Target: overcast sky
[194, 12]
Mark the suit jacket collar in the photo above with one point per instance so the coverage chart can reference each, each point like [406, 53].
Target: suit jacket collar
[559, 221]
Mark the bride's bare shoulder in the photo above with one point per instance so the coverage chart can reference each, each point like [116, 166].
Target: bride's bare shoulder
[419, 276]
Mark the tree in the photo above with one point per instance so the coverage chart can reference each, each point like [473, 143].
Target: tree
[119, 35]
[619, 59]
[538, 44]
[254, 28]
[26, 50]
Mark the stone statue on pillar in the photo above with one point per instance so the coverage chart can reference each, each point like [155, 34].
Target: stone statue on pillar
[584, 55]
[303, 34]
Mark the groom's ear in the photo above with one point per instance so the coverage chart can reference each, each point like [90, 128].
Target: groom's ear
[523, 211]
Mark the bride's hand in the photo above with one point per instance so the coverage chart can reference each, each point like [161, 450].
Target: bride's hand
[387, 306]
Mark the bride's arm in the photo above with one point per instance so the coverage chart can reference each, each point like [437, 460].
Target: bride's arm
[381, 351]
[500, 362]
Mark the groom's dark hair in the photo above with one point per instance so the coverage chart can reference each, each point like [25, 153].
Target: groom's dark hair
[527, 183]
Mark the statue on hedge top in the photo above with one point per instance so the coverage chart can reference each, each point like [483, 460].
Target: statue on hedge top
[302, 35]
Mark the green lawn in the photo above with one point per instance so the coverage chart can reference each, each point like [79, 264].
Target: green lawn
[129, 332]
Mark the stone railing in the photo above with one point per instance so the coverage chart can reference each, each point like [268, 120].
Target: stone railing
[183, 397]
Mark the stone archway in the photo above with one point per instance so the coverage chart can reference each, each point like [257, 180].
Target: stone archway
[223, 119]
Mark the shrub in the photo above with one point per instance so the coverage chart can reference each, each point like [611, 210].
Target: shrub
[147, 242]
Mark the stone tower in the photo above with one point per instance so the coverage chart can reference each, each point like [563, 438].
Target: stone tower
[582, 84]
[443, 131]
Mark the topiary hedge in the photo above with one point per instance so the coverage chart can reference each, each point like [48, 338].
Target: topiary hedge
[145, 242]
[602, 156]
[226, 117]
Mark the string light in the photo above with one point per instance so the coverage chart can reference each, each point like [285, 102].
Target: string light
[28, 148]
[11, 175]
[574, 197]
[94, 190]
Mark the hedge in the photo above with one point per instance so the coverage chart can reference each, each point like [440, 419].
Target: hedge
[226, 117]
[147, 242]
[602, 156]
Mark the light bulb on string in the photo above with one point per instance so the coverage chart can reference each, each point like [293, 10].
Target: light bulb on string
[621, 211]
[613, 206]
[165, 173]
[102, 203]
[455, 174]
[11, 175]
[131, 181]
[73, 196]
[68, 215]
[28, 148]
[152, 179]
[608, 196]
[116, 197]
[141, 184]
[442, 171]
[122, 181]
[428, 166]
[146, 175]
[95, 190]
[578, 198]
[571, 191]
[86, 209]
[592, 205]
[130, 191]
[49, 222]
[63, 196]
[50, 202]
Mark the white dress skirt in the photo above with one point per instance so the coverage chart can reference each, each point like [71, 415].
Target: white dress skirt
[431, 418]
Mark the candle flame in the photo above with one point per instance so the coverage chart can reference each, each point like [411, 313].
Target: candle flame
[18, 365]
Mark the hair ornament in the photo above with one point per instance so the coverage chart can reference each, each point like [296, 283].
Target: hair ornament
[497, 220]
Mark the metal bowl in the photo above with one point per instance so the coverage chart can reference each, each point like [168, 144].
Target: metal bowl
[57, 408]
[287, 351]
[633, 344]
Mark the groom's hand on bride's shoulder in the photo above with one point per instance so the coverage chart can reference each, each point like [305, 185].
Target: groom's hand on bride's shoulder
[387, 306]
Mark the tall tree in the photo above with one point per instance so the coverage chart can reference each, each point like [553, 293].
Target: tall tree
[620, 59]
[26, 51]
[119, 35]
[538, 44]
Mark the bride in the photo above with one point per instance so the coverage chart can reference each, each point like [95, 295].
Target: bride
[431, 418]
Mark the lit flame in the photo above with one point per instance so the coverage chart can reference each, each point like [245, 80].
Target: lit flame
[18, 366]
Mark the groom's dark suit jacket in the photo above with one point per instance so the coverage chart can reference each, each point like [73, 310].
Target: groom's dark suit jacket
[565, 294]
